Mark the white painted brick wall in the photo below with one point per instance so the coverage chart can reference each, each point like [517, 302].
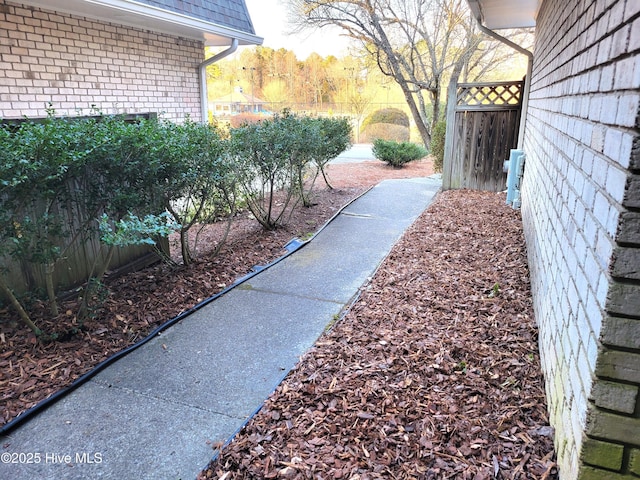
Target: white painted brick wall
[581, 123]
[75, 63]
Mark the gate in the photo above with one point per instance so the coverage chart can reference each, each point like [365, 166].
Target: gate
[483, 120]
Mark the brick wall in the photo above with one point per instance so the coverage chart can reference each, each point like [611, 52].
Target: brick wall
[74, 63]
[581, 216]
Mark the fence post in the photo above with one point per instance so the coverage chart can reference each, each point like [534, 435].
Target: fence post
[452, 98]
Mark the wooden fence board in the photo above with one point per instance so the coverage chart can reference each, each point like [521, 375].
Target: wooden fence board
[483, 123]
[77, 263]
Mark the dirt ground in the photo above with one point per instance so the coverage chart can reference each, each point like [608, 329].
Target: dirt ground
[433, 373]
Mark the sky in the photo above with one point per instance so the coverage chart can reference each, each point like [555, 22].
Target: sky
[269, 19]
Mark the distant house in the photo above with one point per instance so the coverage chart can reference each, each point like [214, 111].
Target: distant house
[237, 102]
[119, 56]
[581, 217]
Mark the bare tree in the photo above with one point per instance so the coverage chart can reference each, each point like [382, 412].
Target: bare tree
[418, 43]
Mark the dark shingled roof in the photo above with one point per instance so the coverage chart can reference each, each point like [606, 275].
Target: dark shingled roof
[227, 13]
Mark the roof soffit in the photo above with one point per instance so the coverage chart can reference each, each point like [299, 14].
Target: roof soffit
[499, 14]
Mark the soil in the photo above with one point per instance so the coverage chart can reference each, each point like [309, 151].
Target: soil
[432, 373]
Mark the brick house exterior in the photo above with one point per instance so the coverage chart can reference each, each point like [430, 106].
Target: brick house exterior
[119, 56]
[581, 216]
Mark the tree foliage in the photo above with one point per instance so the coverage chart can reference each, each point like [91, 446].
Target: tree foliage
[316, 84]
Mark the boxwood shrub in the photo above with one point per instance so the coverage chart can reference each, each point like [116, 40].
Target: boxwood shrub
[397, 154]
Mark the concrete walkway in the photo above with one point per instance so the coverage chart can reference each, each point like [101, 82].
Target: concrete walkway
[156, 412]
[359, 152]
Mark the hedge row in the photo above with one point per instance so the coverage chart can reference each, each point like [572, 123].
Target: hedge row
[62, 181]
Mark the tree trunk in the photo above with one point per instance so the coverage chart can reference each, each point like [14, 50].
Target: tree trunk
[87, 292]
[187, 259]
[396, 72]
[24, 316]
[425, 135]
[51, 293]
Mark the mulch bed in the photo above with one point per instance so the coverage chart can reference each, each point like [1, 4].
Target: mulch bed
[433, 373]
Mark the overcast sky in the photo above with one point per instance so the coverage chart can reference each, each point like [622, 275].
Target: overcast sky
[269, 19]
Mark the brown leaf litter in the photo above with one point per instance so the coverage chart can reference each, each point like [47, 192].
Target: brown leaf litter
[433, 373]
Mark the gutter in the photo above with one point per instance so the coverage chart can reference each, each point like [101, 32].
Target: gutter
[202, 72]
[477, 13]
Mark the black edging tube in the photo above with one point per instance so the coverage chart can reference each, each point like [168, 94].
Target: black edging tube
[291, 247]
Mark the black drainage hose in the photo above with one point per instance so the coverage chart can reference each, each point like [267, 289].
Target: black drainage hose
[291, 247]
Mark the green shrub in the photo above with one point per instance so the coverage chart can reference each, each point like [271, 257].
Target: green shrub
[41, 165]
[264, 153]
[397, 154]
[62, 179]
[385, 131]
[394, 116]
[59, 176]
[437, 145]
[280, 158]
[335, 138]
[201, 186]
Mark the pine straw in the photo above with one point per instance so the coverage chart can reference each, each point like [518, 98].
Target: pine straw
[434, 372]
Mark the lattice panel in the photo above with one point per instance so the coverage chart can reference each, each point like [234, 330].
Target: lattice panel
[489, 94]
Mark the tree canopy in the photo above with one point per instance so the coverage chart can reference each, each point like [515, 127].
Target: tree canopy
[417, 43]
[407, 53]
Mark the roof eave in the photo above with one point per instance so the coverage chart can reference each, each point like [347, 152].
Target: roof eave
[134, 14]
[501, 14]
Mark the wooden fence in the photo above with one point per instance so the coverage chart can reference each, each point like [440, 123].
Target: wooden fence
[483, 120]
[76, 264]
